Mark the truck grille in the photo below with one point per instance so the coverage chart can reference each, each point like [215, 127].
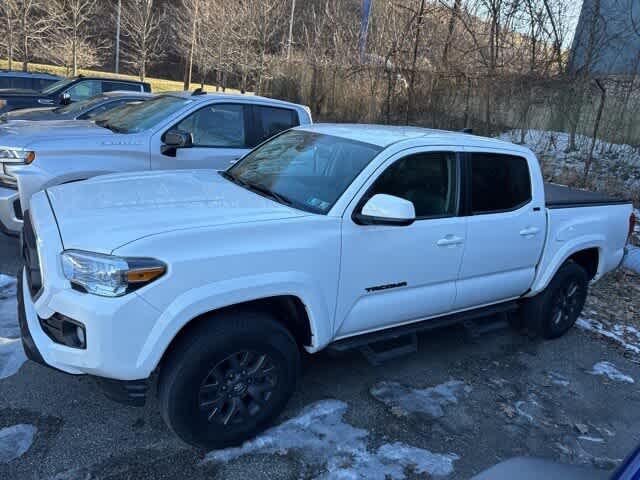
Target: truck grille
[30, 255]
[7, 180]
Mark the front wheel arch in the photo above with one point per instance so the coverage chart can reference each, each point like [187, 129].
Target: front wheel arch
[288, 310]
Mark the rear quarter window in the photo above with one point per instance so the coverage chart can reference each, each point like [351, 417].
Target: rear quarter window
[108, 86]
[272, 120]
[499, 182]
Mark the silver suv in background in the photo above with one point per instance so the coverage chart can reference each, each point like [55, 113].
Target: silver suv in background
[171, 131]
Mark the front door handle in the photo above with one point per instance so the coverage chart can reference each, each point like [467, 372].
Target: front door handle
[449, 241]
[529, 232]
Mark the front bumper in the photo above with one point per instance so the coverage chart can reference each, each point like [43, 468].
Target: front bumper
[117, 329]
[129, 392]
[9, 211]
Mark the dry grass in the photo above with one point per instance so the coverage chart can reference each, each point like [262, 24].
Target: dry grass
[157, 84]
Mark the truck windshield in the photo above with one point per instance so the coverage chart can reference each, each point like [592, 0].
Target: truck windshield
[306, 170]
[137, 117]
[80, 106]
[56, 85]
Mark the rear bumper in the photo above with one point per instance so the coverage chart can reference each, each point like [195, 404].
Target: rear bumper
[9, 202]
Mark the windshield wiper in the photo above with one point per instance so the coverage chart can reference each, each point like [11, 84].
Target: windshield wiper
[257, 188]
[233, 178]
[269, 193]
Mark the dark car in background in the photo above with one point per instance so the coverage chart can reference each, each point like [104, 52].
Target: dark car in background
[66, 91]
[81, 110]
[534, 469]
[36, 81]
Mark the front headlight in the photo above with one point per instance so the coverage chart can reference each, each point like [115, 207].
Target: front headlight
[16, 155]
[108, 275]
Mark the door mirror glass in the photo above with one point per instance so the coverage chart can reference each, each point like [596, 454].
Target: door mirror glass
[175, 139]
[383, 209]
[65, 99]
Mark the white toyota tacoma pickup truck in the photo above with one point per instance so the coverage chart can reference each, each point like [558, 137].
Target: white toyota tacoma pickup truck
[171, 131]
[213, 283]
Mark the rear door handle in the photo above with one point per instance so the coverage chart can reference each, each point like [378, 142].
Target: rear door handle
[449, 241]
[529, 232]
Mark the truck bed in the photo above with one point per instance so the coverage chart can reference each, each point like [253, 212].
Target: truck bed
[560, 196]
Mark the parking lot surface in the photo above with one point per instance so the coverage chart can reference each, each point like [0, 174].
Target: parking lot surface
[458, 406]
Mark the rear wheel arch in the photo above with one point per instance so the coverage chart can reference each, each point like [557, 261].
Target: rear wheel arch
[588, 259]
[536, 313]
[587, 256]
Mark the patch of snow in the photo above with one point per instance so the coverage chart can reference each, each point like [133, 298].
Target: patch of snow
[625, 335]
[7, 282]
[558, 379]
[15, 441]
[530, 409]
[12, 356]
[591, 439]
[11, 353]
[431, 401]
[631, 260]
[323, 439]
[421, 461]
[610, 371]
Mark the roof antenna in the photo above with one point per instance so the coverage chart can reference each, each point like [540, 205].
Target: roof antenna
[467, 130]
[198, 91]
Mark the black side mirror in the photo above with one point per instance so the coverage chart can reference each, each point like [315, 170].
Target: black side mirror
[65, 99]
[175, 139]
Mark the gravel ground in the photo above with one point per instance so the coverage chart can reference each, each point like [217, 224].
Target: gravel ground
[453, 409]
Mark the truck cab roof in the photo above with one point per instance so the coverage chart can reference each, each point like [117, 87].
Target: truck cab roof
[207, 97]
[386, 135]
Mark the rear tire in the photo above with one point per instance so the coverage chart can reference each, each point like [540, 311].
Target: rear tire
[551, 313]
[228, 379]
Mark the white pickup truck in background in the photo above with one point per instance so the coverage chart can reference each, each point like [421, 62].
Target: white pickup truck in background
[325, 236]
[171, 131]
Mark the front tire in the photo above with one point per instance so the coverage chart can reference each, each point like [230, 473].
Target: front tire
[553, 312]
[228, 378]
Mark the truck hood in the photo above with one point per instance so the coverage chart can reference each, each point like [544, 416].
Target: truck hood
[23, 134]
[40, 113]
[107, 212]
[19, 92]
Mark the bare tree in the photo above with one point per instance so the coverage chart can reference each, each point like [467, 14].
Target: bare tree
[69, 40]
[265, 18]
[193, 32]
[10, 13]
[142, 23]
[32, 26]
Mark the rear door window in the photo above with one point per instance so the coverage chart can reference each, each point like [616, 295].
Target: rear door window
[499, 182]
[272, 120]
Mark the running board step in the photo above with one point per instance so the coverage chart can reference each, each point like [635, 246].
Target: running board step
[368, 339]
[377, 357]
[479, 327]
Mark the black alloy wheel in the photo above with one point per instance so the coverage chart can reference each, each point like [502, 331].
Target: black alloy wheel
[238, 388]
